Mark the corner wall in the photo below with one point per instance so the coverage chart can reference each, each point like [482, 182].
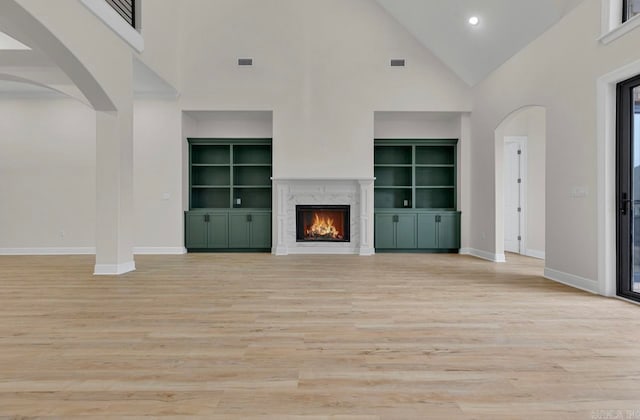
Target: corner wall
[559, 71]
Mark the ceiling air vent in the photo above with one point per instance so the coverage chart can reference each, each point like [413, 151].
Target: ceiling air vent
[397, 62]
[245, 61]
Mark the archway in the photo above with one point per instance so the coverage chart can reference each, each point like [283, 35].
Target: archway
[520, 182]
[102, 69]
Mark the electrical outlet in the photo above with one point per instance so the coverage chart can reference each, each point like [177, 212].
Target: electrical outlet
[62, 234]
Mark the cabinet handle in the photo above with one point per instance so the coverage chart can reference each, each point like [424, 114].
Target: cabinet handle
[249, 218]
[396, 219]
[437, 219]
[206, 218]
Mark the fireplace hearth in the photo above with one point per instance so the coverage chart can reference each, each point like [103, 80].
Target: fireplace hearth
[323, 223]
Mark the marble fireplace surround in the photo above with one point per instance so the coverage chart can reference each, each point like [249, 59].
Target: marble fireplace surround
[355, 192]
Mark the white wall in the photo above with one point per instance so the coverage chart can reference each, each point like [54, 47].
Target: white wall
[559, 71]
[161, 31]
[47, 176]
[416, 125]
[158, 176]
[231, 124]
[322, 67]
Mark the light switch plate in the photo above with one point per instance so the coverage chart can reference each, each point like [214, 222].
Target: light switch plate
[579, 192]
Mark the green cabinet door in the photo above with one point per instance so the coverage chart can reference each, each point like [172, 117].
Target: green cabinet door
[260, 227]
[449, 231]
[406, 231]
[196, 231]
[427, 231]
[239, 234]
[384, 231]
[218, 231]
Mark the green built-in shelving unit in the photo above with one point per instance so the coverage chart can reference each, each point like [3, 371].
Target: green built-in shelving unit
[415, 195]
[229, 195]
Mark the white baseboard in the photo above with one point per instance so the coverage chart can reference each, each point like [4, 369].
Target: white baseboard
[533, 253]
[280, 250]
[48, 251]
[572, 280]
[367, 252]
[90, 251]
[154, 250]
[321, 250]
[114, 269]
[489, 256]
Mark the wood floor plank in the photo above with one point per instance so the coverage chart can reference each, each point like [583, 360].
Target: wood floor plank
[223, 336]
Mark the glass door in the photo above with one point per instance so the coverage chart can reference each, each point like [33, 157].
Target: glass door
[628, 188]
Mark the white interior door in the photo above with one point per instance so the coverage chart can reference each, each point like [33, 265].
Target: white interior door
[514, 194]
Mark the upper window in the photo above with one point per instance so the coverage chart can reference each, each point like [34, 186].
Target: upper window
[127, 9]
[618, 18]
[630, 8]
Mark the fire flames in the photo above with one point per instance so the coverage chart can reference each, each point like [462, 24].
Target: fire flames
[323, 228]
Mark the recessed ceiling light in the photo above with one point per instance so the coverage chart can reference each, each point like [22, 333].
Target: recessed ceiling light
[473, 20]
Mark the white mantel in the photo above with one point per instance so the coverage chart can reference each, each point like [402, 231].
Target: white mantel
[355, 192]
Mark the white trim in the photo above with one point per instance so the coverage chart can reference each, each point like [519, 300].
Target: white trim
[497, 258]
[366, 252]
[115, 22]
[534, 253]
[48, 251]
[90, 251]
[280, 250]
[627, 300]
[612, 25]
[322, 250]
[149, 250]
[606, 160]
[611, 16]
[582, 283]
[325, 178]
[621, 30]
[114, 269]
[522, 142]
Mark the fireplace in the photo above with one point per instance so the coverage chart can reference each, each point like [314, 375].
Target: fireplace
[323, 223]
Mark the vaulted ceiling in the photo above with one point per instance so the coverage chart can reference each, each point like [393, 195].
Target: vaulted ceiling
[473, 52]
[506, 26]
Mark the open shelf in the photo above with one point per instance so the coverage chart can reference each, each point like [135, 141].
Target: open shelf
[223, 170]
[432, 176]
[397, 155]
[435, 198]
[392, 198]
[210, 198]
[420, 172]
[252, 175]
[435, 155]
[252, 197]
[393, 176]
[211, 175]
[210, 154]
[252, 154]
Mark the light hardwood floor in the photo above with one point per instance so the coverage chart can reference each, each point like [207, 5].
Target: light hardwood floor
[255, 336]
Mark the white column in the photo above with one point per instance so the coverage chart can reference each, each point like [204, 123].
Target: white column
[281, 192]
[366, 217]
[464, 180]
[114, 191]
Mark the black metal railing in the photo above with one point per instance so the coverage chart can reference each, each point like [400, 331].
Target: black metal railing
[126, 9]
